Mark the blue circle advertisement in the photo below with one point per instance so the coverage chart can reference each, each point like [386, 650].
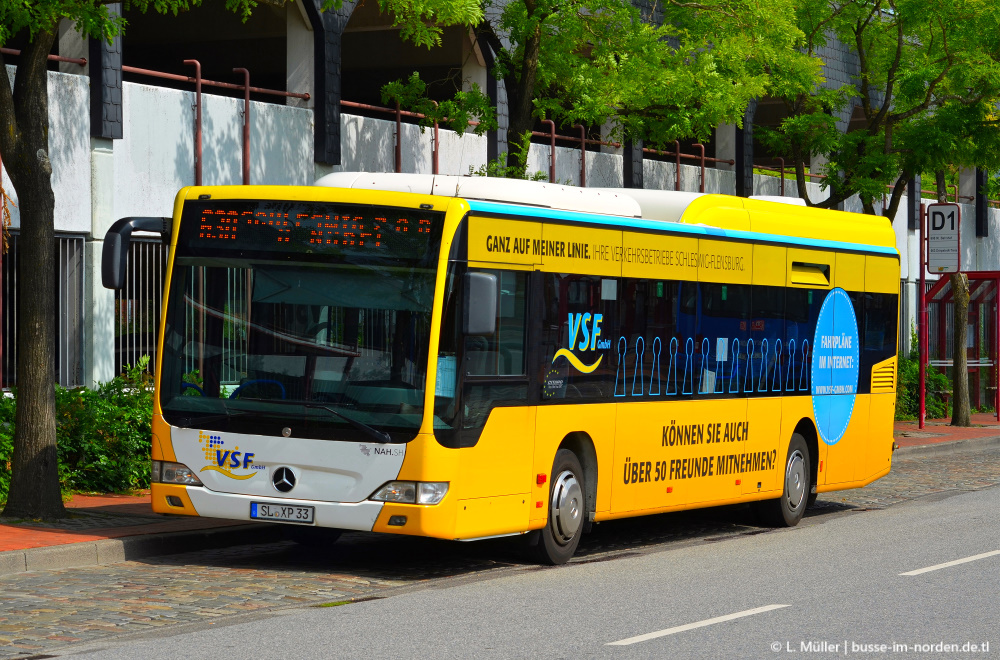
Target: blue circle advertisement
[835, 366]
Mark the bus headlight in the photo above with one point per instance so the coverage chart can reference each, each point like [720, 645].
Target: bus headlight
[411, 492]
[173, 473]
[431, 492]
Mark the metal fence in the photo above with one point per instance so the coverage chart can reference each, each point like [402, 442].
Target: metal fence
[69, 318]
[137, 306]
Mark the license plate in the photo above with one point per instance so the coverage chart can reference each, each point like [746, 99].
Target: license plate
[281, 512]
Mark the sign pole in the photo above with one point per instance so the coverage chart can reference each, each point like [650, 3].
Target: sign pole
[922, 322]
[940, 252]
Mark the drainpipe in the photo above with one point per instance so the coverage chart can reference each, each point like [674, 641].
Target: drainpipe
[701, 186]
[246, 124]
[435, 146]
[197, 119]
[583, 155]
[552, 149]
[677, 152]
[399, 139]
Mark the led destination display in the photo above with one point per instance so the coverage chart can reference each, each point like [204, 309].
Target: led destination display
[308, 228]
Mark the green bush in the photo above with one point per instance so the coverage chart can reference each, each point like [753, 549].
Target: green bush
[6, 442]
[103, 435]
[907, 392]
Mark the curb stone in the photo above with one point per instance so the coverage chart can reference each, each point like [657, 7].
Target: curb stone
[948, 447]
[109, 551]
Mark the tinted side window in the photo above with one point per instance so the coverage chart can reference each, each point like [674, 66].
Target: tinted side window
[878, 330]
[651, 313]
[767, 348]
[490, 362]
[580, 337]
[502, 354]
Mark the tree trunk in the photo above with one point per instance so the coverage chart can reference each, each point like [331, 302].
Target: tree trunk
[34, 487]
[520, 96]
[868, 206]
[960, 413]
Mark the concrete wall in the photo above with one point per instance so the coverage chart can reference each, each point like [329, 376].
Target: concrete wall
[155, 157]
[368, 146]
[69, 152]
[97, 181]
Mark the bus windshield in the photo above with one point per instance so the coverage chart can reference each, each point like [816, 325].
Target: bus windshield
[304, 320]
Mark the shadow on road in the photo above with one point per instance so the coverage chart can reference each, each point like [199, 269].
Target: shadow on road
[403, 559]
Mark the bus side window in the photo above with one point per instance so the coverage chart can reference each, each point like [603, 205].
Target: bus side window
[878, 338]
[580, 320]
[725, 316]
[501, 354]
[769, 362]
[488, 360]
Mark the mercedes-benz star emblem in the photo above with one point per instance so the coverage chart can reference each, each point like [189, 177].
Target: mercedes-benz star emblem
[283, 479]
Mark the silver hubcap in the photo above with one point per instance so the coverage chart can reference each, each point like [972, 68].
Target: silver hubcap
[567, 507]
[795, 480]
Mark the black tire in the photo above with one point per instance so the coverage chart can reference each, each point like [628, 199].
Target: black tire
[556, 543]
[811, 500]
[787, 510]
[313, 537]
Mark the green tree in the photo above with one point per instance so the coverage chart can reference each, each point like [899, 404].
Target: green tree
[958, 135]
[24, 144]
[676, 73]
[928, 75]
[928, 88]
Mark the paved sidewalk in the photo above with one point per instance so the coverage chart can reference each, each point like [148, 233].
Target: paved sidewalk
[97, 517]
[105, 529]
[938, 431]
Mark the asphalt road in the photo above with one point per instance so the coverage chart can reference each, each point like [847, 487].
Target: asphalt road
[834, 586]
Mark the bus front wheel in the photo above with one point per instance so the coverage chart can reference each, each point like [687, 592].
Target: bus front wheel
[557, 541]
[788, 510]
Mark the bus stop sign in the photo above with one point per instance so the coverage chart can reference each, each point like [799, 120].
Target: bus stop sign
[943, 239]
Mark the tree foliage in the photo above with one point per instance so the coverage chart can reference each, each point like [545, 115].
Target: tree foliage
[421, 21]
[674, 71]
[927, 86]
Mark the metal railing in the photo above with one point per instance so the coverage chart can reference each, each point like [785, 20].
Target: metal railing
[82, 61]
[781, 170]
[69, 319]
[138, 305]
[200, 82]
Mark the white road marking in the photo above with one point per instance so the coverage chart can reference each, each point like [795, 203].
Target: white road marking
[697, 624]
[948, 564]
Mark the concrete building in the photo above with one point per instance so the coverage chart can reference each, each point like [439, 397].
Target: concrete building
[124, 139]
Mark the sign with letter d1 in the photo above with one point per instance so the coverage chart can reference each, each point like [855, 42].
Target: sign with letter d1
[944, 222]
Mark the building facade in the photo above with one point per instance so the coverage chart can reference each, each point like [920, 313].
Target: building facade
[125, 136]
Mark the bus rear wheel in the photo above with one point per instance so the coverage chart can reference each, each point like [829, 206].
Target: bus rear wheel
[557, 542]
[787, 510]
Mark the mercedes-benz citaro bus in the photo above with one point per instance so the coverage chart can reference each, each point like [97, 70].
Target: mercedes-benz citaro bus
[465, 358]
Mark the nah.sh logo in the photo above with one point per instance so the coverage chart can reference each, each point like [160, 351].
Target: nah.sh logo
[587, 328]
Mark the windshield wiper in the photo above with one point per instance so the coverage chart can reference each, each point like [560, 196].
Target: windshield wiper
[376, 434]
[379, 436]
[196, 417]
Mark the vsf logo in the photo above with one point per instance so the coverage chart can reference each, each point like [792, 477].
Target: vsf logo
[584, 336]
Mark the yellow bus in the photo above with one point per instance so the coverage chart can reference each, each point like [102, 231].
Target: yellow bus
[465, 358]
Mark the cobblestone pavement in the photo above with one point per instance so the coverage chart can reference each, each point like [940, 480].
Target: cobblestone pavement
[46, 612]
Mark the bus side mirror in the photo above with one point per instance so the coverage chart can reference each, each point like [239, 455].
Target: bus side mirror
[116, 244]
[480, 304]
